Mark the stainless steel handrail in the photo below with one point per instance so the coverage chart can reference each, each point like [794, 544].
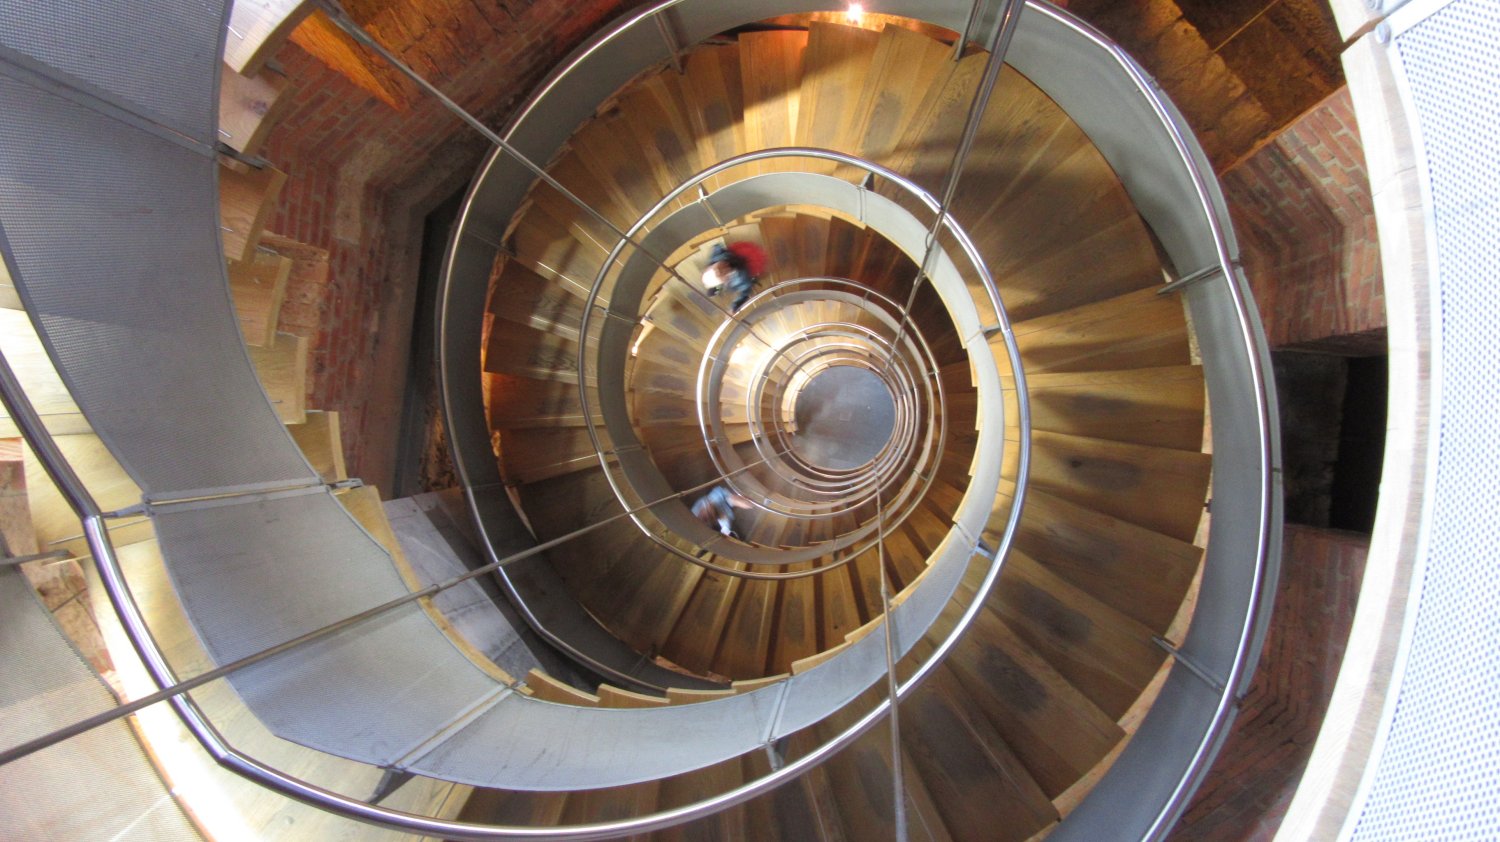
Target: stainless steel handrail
[916, 191]
[880, 475]
[96, 533]
[1257, 614]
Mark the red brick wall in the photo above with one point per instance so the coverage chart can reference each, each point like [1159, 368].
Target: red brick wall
[1302, 209]
[1246, 794]
[361, 176]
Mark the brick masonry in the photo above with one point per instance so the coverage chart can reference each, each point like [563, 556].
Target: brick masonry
[1303, 213]
[1247, 792]
[362, 176]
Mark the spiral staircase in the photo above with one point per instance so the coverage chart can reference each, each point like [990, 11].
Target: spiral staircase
[1017, 557]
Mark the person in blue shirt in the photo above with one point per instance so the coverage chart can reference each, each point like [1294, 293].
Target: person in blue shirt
[716, 508]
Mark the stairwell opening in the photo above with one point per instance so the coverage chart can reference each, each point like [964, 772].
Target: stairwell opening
[845, 415]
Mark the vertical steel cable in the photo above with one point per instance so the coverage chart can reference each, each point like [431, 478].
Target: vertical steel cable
[898, 785]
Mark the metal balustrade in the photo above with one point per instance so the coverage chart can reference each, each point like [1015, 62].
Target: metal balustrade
[1244, 482]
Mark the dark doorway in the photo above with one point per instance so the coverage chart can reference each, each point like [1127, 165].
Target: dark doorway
[1333, 416]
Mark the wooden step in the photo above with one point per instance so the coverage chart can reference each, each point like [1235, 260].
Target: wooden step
[971, 773]
[517, 809]
[662, 124]
[1053, 727]
[1105, 654]
[925, 151]
[771, 76]
[835, 67]
[549, 689]
[803, 809]
[1161, 407]
[54, 522]
[860, 776]
[714, 98]
[661, 598]
[726, 825]
[524, 351]
[516, 401]
[1159, 488]
[745, 648]
[543, 240]
[258, 287]
[597, 805]
[1136, 330]
[1134, 570]
[627, 177]
[521, 296]
[321, 444]
[906, 74]
[247, 198]
[32, 366]
[281, 368]
[694, 641]
[795, 633]
[257, 28]
[249, 107]
[618, 697]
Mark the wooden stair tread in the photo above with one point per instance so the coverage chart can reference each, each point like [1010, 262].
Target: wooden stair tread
[972, 775]
[1136, 330]
[249, 106]
[1104, 653]
[33, 368]
[618, 697]
[517, 401]
[319, 439]
[281, 368]
[246, 201]
[258, 286]
[1161, 407]
[771, 73]
[1159, 488]
[257, 28]
[1056, 731]
[549, 689]
[1137, 571]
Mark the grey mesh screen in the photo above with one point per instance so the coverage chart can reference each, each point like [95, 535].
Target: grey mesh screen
[113, 235]
[255, 573]
[1440, 766]
[45, 685]
[159, 59]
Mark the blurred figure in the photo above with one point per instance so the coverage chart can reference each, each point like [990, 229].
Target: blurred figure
[716, 508]
[738, 267]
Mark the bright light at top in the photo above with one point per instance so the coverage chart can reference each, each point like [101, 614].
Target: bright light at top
[856, 12]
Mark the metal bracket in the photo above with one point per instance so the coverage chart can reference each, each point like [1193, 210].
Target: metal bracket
[1188, 280]
[776, 753]
[673, 47]
[230, 152]
[1192, 666]
[390, 781]
[54, 555]
[991, 331]
[709, 206]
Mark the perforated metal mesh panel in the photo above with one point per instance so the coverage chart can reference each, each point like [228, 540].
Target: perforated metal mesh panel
[257, 573]
[158, 59]
[114, 237]
[1440, 769]
[45, 685]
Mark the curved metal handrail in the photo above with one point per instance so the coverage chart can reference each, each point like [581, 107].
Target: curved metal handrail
[711, 428]
[629, 236]
[100, 544]
[1257, 615]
